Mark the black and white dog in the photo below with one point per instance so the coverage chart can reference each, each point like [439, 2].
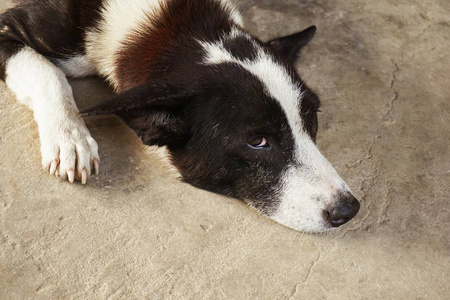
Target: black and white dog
[232, 111]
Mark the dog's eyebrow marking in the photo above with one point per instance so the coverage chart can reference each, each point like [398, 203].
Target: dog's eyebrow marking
[278, 83]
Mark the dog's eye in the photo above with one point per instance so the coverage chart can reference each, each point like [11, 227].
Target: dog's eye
[258, 143]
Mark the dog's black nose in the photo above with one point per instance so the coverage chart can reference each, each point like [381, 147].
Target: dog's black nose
[346, 208]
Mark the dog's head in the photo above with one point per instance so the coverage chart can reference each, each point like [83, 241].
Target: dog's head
[243, 124]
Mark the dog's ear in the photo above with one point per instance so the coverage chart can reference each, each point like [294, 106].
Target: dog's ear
[289, 46]
[154, 112]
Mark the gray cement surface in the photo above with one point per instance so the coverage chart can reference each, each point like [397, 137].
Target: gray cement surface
[382, 70]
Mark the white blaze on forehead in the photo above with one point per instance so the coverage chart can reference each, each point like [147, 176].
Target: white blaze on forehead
[275, 78]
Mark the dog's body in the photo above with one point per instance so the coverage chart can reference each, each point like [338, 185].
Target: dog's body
[232, 111]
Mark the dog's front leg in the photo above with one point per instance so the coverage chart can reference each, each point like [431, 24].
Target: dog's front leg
[68, 150]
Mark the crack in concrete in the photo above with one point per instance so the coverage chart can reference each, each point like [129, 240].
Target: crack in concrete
[297, 286]
[387, 116]
[359, 225]
[371, 184]
[423, 31]
[395, 93]
[374, 179]
[368, 153]
[382, 218]
[388, 119]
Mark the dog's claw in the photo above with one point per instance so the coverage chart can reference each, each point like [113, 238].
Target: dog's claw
[71, 176]
[84, 176]
[53, 167]
[96, 166]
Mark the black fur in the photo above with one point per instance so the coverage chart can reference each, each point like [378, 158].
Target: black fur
[241, 48]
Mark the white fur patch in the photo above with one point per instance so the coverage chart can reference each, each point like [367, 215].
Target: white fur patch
[274, 77]
[311, 183]
[77, 67]
[68, 150]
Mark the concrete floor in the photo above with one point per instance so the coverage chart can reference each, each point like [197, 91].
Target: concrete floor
[382, 70]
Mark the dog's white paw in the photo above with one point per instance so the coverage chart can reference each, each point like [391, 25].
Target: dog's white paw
[68, 150]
